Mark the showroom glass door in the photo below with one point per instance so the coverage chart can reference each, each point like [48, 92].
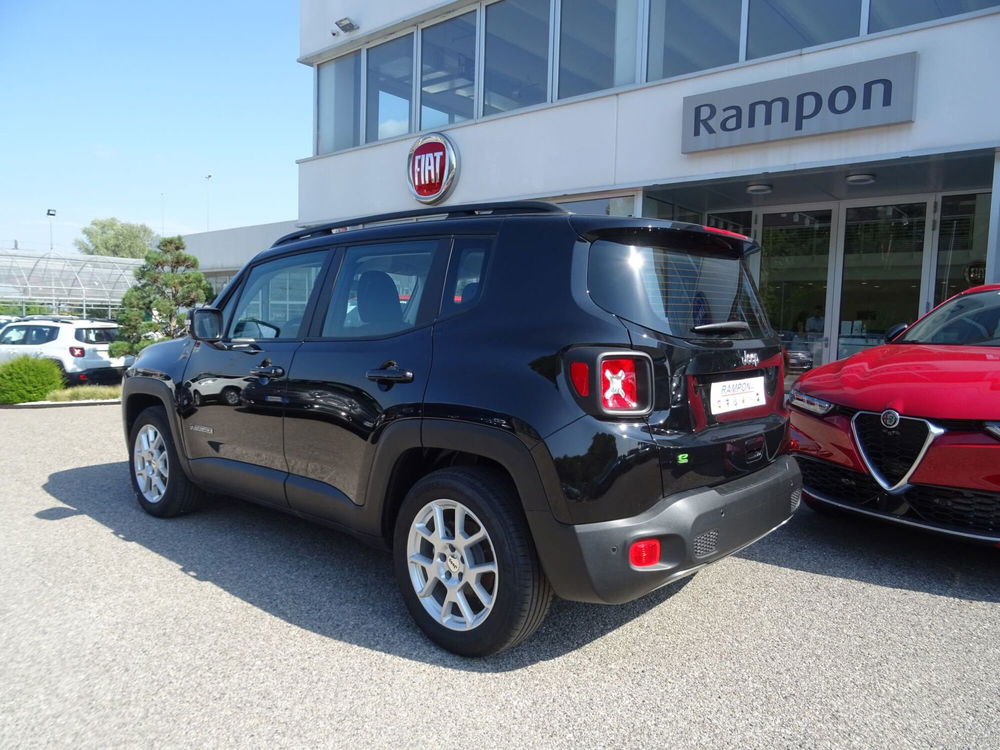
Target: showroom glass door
[883, 258]
[794, 268]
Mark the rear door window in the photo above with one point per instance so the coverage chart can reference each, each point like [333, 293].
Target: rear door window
[96, 335]
[383, 288]
[464, 284]
[676, 286]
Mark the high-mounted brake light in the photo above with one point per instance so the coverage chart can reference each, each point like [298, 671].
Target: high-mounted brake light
[644, 552]
[726, 232]
[76, 351]
[619, 390]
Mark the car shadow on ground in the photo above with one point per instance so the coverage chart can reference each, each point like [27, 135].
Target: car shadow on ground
[310, 576]
[882, 554]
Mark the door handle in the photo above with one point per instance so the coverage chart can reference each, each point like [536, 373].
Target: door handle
[267, 371]
[390, 373]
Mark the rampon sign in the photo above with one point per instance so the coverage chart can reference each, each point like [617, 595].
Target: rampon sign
[862, 95]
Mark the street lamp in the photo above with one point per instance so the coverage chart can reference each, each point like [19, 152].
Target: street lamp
[51, 214]
[208, 202]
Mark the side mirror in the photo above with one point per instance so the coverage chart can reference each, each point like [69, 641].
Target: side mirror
[206, 324]
[895, 331]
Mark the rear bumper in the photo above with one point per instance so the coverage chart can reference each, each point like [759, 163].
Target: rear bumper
[590, 562]
[109, 375]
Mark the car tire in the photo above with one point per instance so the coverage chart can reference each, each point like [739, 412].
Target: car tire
[159, 482]
[477, 592]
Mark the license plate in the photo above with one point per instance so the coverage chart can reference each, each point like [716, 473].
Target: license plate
[733, 395]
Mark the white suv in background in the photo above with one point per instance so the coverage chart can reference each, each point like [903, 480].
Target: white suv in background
[78, 345]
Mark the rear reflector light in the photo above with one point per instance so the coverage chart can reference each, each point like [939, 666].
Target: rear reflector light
[644, 553]
[76, 351]
[619, 391]
[579, 373]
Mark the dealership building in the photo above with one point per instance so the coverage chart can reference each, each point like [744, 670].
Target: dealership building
[857, 140]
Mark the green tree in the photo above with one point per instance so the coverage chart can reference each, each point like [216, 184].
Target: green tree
[113, 237]
[168, 281]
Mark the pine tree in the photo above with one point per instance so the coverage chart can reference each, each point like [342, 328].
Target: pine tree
[168, 281]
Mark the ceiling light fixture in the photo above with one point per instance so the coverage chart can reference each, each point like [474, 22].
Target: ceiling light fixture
[759, 188]
[859, 179]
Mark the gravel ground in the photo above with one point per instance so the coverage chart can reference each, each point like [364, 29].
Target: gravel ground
[239, 626]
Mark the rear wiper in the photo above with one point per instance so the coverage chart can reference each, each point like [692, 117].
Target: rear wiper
[728, 326]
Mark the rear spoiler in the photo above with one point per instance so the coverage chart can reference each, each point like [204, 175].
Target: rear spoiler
[678, 235]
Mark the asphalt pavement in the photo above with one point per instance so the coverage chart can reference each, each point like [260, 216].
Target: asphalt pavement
[239, 626]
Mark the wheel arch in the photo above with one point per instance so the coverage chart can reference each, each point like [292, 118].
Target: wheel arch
[445, 443]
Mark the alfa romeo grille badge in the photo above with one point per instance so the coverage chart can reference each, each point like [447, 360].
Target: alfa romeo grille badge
[890, 419]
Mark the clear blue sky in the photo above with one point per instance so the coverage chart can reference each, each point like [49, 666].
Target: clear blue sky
[121, 107]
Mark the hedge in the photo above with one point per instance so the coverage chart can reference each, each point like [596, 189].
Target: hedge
[28, 379]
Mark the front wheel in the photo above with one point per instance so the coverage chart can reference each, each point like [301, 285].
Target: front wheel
[465, 562]
[159, 482]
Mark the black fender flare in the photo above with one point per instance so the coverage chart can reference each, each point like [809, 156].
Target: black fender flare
[138, 385]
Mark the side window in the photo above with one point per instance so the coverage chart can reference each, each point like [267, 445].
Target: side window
[274, 297]
[464, 284]
[36, 335]
[380, 287]
[14, 335]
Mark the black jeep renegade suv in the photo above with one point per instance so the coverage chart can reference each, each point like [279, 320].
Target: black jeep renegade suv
[516, 400]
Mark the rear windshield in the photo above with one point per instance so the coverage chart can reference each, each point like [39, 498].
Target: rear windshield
[96, 335]
[672, 290]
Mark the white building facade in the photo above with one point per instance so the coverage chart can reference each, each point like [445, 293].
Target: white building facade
[857, 140]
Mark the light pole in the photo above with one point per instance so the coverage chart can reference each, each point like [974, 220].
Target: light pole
[163, 223]
[208, 201]
[51, 214]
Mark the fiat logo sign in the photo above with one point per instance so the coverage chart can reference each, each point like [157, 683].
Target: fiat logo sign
[431, 168]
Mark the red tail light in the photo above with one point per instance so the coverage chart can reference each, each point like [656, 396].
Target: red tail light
[579, 373]
[644, 553]
[610, 383]
[619, 389]
[76, 351]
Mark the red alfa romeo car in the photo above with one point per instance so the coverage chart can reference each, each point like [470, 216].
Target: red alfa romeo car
[910, 431]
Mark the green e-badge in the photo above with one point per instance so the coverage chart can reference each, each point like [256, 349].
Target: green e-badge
[682, 458]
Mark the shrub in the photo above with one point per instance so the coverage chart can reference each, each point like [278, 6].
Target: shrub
[86, 393]
[28, 379]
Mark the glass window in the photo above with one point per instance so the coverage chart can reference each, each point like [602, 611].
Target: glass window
[961, 263]
[691, 280]
[793, 272]
[516, 70]
[883, 255]
[274, 298]
[96, 335]
[379, 289]
[14, 335]
[596, 45]
[690, 35]
[891, 14]
[782, 25]
[464, 285]
[390, 89]
[731, 221]
[620, 206]
[338, 124]
[448, 71]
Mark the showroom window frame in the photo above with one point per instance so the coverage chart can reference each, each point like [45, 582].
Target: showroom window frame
[641, 78]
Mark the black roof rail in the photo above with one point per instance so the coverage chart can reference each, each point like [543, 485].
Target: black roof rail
[497, 208]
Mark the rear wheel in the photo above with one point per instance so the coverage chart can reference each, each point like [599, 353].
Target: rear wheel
[160, 485]
[465, 563]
